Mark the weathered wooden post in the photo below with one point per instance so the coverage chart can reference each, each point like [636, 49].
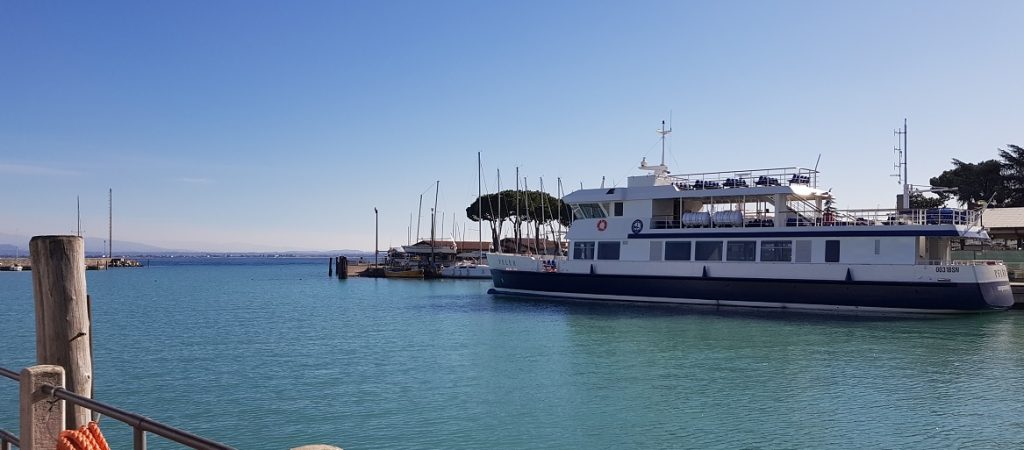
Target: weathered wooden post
[342, 267]
[62, 314]
[330, 266]
[41, 416]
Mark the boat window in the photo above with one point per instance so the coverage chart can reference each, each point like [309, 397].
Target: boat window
[777, 251]
[589, 210]
[583, 250]
[803, 251]
[741, 251]
[708, 251]
[656, 250]
[608, 250]
[618, 209]
[677, 251]
[831, 251]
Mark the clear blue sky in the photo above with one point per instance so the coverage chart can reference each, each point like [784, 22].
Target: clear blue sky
[234, 125]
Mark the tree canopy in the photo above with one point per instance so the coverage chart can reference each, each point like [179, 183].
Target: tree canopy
[919, 201]
[1013, 174]
[991, 183]
[974, 183]
[532, 207]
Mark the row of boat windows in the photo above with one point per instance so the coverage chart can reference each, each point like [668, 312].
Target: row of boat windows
[597, 210]
[733, 250]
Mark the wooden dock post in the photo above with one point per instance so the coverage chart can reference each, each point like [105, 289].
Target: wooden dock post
[330, 266]
[342, 267]
[40, 420]
[63, 330]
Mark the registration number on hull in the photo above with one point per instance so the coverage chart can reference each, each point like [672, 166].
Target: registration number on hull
[947, 269]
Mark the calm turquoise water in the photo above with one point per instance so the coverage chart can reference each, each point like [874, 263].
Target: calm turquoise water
[271, 354]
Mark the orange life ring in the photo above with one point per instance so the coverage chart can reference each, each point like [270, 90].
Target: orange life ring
[602, 225]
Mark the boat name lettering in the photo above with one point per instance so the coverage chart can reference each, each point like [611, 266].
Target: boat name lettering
[947, 269]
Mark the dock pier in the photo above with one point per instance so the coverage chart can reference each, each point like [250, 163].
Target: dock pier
[1017, 288]
[341, 266]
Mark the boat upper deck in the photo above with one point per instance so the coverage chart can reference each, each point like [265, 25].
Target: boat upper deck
[779, 197]
[778, 176]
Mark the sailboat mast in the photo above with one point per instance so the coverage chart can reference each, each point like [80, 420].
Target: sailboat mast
[517, 222]
[433, 259]
[110, 223]
[78, 204]
[558, 237]
[419, 215]
[542, 216]
[526, 190]
[479, 210]
[497, 245]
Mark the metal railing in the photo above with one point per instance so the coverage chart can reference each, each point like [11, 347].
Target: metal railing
[778, 176]
[8, 439]
[838, 218]
[140, 425]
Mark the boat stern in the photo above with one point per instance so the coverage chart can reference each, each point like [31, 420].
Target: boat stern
[994, 283]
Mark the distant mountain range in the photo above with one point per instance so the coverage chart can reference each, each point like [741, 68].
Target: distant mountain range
[15, 245]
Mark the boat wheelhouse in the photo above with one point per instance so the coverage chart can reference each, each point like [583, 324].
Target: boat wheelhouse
[757, 238]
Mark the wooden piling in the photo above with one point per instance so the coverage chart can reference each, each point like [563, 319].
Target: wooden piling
[342, 267]
[41, 417]
[62, 315]
[330, 266]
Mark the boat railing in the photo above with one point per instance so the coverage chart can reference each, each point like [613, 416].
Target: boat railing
[962, 262]
[827, 218]
[778, 176]
[930, 216]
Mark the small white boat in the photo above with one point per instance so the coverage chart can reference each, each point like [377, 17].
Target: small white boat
[466, 270]
[473, 268]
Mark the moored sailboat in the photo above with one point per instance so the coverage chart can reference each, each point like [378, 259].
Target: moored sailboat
[475, 268]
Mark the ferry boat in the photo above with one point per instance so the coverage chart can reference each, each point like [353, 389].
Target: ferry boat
[765, 238]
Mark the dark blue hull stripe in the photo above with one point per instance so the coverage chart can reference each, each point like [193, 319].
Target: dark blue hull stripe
[794, 234]
[856, 294]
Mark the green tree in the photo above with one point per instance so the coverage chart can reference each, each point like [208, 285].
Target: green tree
[919, 201]
[974, 183]
[485, 207]
[1013, 175]
[534, 208]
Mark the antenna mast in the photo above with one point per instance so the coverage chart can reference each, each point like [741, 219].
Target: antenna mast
[901, 164]
[663, 132]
